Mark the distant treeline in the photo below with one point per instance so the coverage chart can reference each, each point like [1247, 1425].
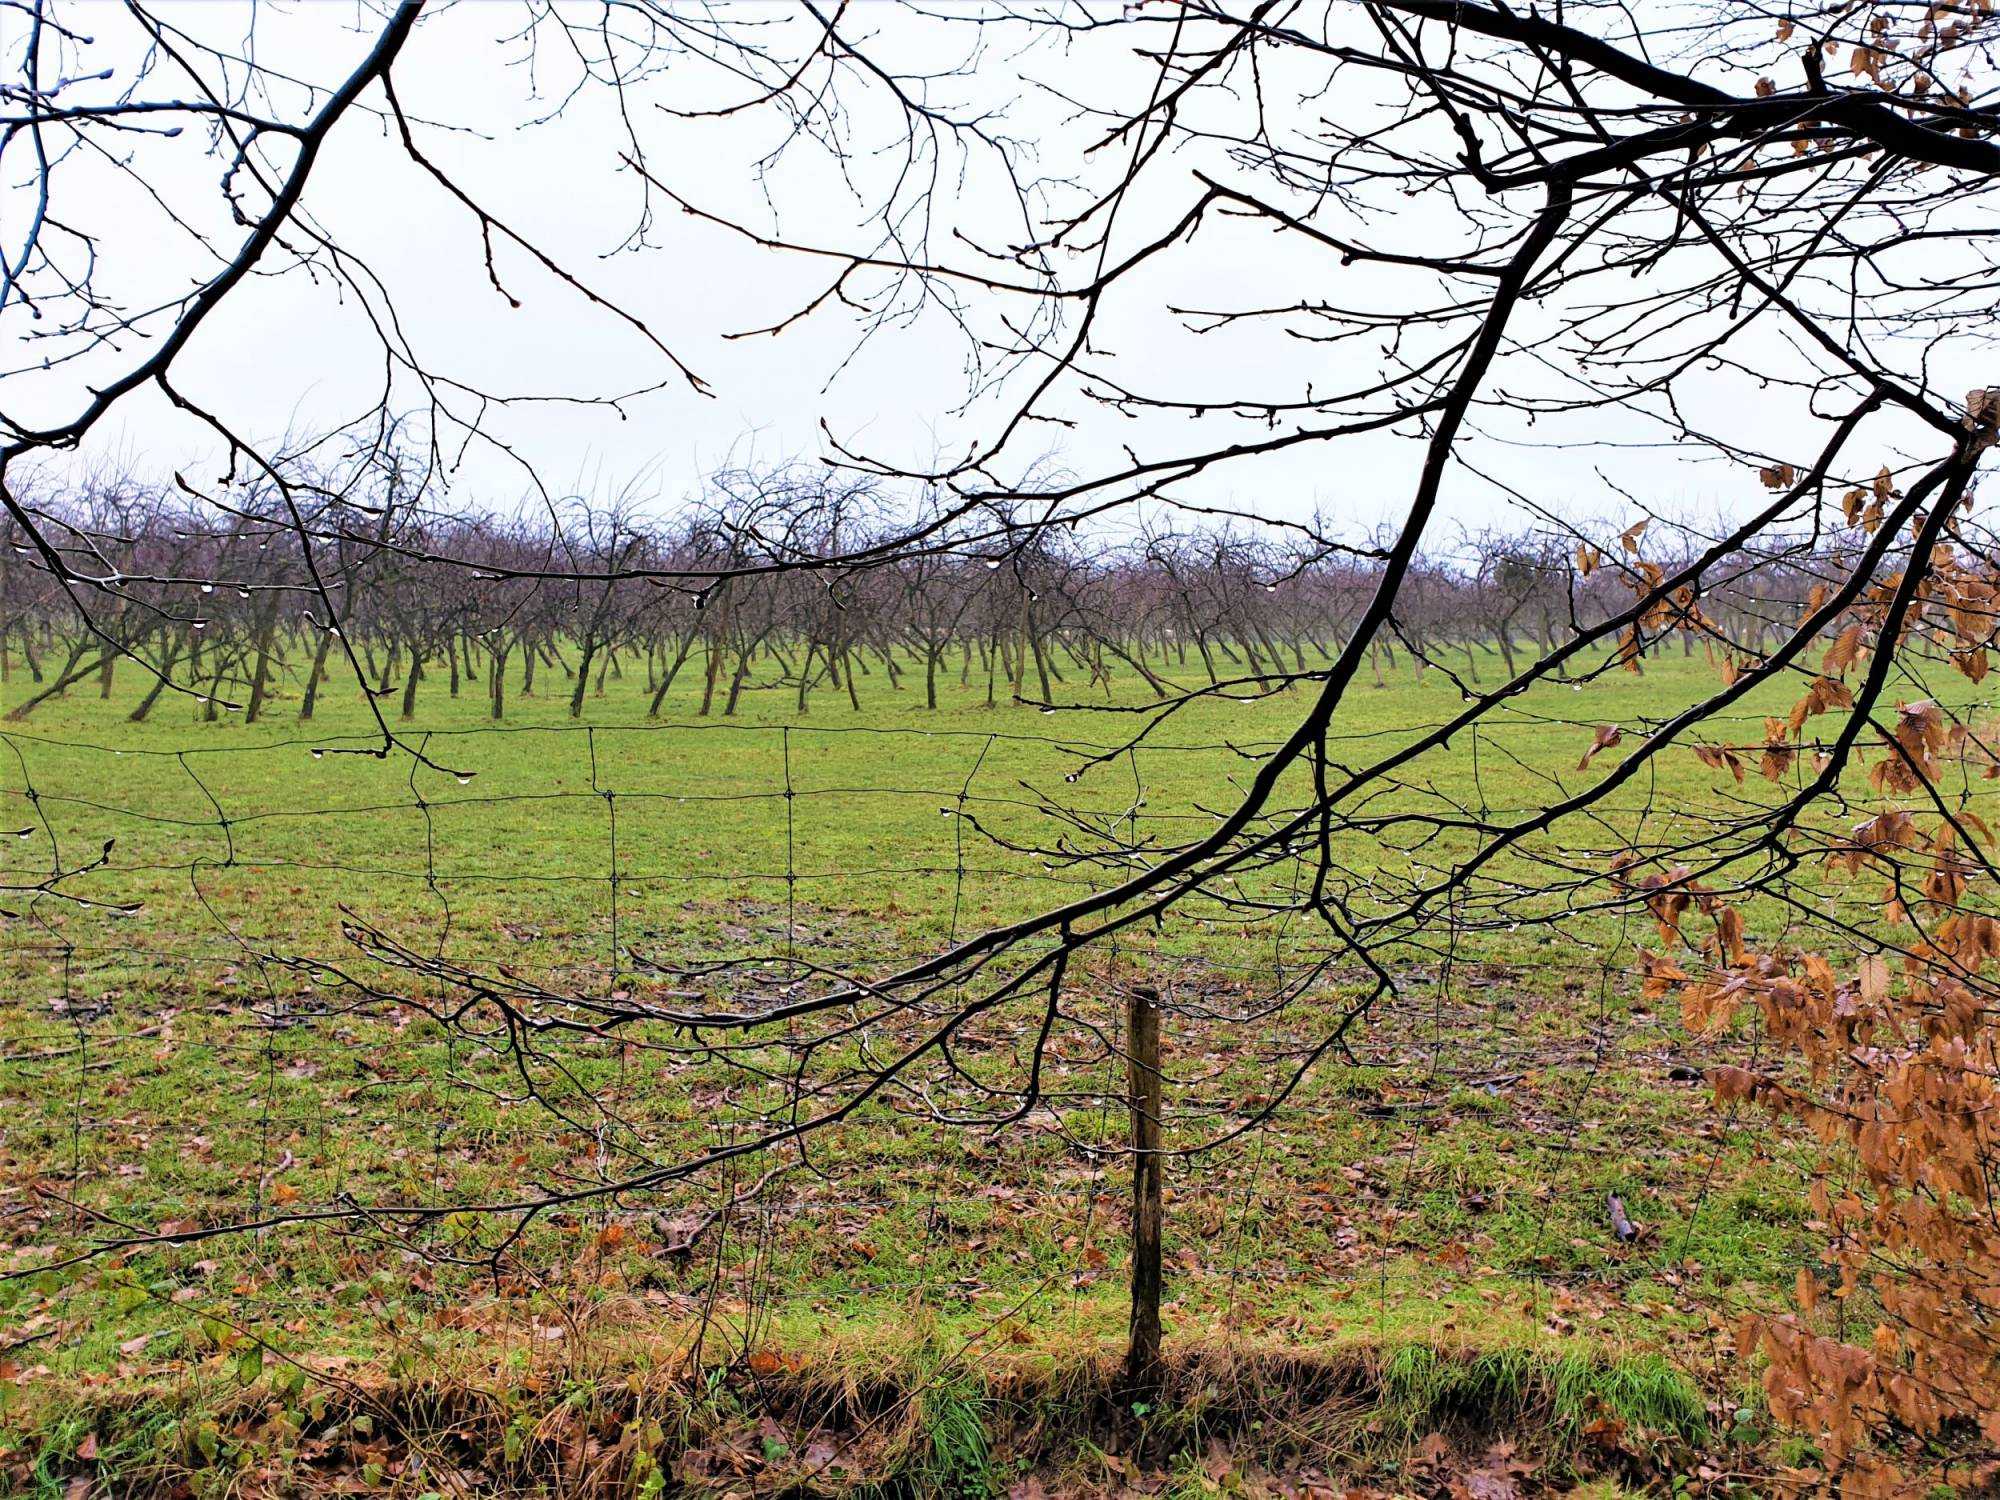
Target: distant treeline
[775, 580]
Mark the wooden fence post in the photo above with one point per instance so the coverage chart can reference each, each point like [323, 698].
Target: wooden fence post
[1142, 1034]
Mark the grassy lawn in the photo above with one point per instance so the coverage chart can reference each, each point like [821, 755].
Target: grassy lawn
[1442, 1188]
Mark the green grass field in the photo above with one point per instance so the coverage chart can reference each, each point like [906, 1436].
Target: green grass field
[1440, 1194]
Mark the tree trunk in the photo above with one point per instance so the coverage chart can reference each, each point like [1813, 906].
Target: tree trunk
[260, 678]
[211, 700]
[736, 682]
[496, 679]
[160, 681]
[145, 704]
[582, 679]
[667, 677]
[315, 676]
[711, 671]
[804, 674]
[69, 674]
[410, 685]
[1041, 666]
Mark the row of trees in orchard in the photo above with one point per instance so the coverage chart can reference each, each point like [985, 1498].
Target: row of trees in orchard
[770, 582]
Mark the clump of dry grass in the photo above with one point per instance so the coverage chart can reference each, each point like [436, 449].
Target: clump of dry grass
[642, 1417]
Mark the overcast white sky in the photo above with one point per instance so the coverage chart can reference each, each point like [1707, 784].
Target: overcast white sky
[300, 352]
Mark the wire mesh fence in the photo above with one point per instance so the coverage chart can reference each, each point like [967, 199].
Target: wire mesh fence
[249, 1001]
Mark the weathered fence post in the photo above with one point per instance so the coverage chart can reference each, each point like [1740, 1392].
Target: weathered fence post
[1142, 1033]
